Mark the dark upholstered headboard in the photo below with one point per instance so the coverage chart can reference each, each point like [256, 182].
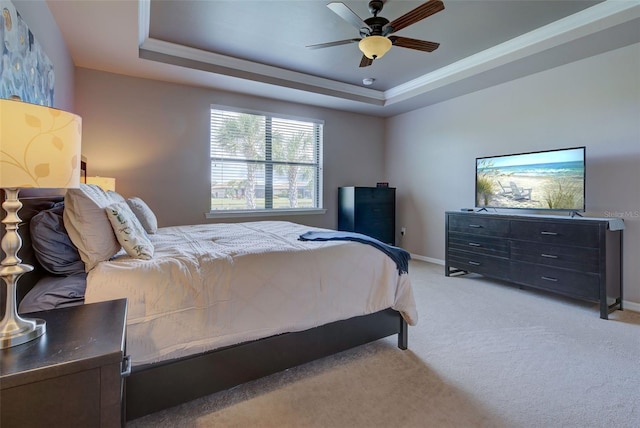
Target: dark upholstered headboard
[33, 201]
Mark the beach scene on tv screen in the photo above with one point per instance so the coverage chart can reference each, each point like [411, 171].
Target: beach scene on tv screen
[547, 180]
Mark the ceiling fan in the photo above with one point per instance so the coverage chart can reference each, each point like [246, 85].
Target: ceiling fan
[375, 32]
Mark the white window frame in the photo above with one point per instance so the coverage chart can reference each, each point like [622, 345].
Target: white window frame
[260, 212]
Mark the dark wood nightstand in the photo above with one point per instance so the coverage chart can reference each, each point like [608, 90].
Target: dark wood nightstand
[72, 376]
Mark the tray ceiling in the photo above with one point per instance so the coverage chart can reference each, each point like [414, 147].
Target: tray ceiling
[259, 47]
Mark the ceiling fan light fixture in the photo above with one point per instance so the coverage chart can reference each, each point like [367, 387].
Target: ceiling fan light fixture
[374, 47]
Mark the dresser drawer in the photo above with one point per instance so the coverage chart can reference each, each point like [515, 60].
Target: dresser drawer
[374, 211]
[381, 230]
[569, 282]
[479, 244]
[495, 267]
[375, 195]
[478, 225]
[581, 259]
[558, 233]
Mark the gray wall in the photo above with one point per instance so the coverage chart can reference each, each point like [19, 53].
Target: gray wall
[44, 28]
[594, 102]
[153, 137]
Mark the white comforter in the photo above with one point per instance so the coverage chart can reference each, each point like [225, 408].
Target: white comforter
[215, 285]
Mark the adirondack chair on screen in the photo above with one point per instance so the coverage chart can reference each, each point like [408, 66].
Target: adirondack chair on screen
[520, 193]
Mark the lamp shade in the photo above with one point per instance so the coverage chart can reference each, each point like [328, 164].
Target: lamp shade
[374, 47]
[106, 183]
[39, 146]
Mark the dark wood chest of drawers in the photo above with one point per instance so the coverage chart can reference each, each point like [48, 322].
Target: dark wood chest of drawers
[580, 258]
[368, 210]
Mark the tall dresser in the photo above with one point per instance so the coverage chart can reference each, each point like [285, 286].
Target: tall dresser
[368, 210]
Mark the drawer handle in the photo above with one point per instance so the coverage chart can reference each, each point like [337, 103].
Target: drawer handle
[474, 244]
[548, 233]
[548, 278]
[471, 262]
[477, 226]
[549, 256]
[126, 366]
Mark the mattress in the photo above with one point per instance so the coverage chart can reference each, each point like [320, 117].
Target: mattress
[215, 285]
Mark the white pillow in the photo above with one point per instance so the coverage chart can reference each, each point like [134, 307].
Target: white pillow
[144, 214]
[87, 224]
[129, 231]
[114, 196]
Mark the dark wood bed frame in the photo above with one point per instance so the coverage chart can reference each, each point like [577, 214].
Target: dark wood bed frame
[162, 385]
[154, 387]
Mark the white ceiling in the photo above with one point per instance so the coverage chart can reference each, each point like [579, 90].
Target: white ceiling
[259, 47]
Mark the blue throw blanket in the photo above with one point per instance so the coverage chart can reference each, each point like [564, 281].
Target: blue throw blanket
[398, 255]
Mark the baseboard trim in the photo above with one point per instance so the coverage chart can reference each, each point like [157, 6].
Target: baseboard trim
[631, 306]
[427, 259]
[626, 305]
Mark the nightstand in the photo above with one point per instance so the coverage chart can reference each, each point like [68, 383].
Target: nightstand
[72, 376]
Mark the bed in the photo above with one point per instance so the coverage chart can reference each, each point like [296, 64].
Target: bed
[257, 299]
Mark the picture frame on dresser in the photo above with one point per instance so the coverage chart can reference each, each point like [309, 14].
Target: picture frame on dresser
[579, 257]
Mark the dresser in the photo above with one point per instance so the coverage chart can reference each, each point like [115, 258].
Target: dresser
[72, 376]
[576, 257]
[368, 210]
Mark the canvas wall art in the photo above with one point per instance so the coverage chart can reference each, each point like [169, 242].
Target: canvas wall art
[25, 69]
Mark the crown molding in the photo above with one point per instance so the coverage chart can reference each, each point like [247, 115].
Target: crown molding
[160, 50]
[596, 18]
[602, 16]
[176, 54]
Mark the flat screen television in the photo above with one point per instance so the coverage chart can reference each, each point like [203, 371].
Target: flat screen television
[547, 180]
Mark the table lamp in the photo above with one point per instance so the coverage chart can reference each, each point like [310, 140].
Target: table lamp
[39, 148]
[106, 183]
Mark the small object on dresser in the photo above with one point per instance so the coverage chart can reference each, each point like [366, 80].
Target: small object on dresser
[382, 184]
[468, 210]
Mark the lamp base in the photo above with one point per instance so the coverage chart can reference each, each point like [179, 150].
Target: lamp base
[24, 336]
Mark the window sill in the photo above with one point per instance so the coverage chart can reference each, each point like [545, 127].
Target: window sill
[263, 213]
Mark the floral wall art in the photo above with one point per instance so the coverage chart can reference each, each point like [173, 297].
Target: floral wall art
[25, 69]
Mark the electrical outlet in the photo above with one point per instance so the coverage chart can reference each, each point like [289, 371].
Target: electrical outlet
[403, 230]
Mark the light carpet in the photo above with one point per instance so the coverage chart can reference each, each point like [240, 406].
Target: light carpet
[484, 354]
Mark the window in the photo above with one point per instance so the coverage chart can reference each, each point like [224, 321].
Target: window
[260, 162]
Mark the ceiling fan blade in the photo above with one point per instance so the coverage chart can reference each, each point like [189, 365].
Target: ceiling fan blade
[417, 14]
[365, 62]
[330, 44]
[347, 14]
[419, 45]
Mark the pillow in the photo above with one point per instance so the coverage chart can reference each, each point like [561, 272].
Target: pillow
[31, 205]
[114, 196]
[53, 292]
[145, 215]
[51, 243]
[87, 224]
[129, 231]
